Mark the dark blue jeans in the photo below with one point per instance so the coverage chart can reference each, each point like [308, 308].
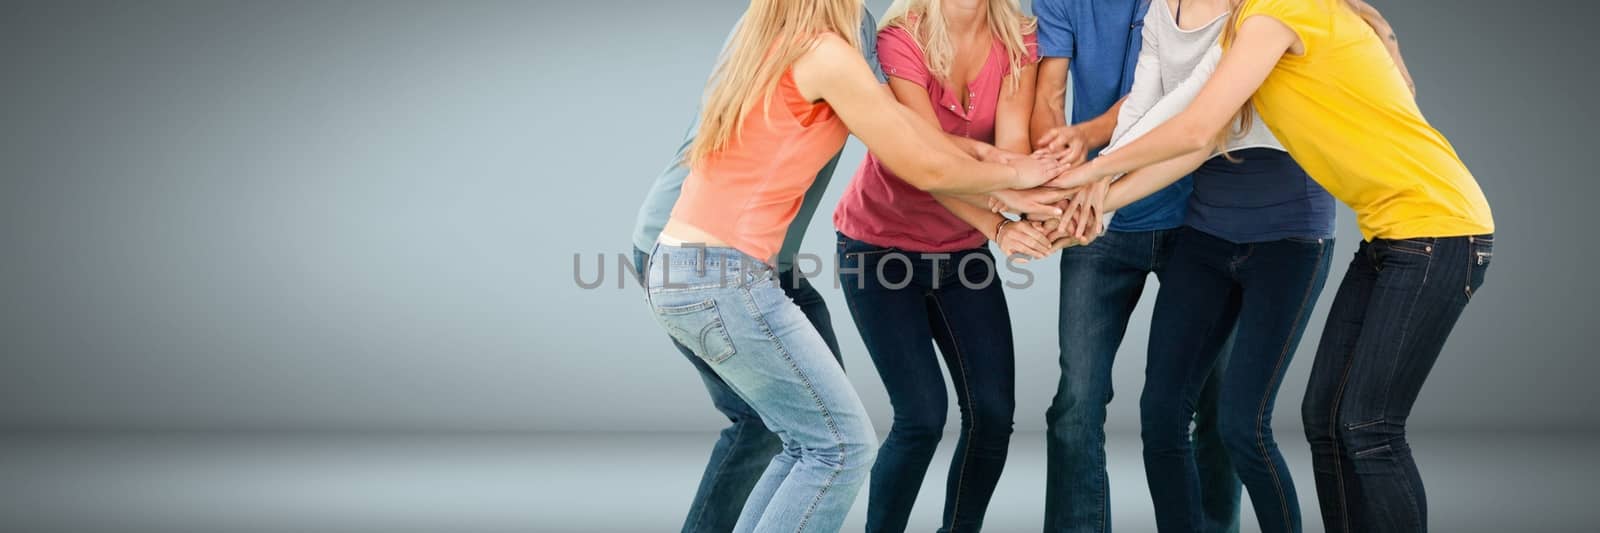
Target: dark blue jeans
[1394, 310]
[905, 303]
[1263, 293]
[1100, 285]
[745, 447]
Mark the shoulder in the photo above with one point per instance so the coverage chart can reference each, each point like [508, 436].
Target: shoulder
[897, 36]
[832, 47]
[1054, 9]
[1287, 11]
[828, 56]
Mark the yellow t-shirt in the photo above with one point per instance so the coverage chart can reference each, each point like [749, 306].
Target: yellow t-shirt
[1344, 112]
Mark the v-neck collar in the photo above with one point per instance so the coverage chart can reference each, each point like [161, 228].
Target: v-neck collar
[952, 96]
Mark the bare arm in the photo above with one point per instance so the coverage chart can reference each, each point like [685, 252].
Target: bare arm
[1015, 111]
[916, 151]
[1050, 96]
[1136, 185]
[1387, 34]
[1261, 42]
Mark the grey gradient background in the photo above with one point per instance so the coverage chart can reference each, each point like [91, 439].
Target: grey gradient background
[262, 264]
[363, 215]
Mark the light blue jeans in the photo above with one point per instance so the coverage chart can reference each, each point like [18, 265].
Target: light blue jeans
[729, 309]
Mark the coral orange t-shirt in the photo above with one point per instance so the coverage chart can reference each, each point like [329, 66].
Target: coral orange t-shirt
[748, 193]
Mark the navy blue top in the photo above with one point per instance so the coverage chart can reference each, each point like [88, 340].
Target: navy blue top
[1264, 197]
[1103, 38]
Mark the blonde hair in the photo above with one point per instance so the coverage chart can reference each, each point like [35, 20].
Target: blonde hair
[924, 20]
[1246, 116]
[771, 36]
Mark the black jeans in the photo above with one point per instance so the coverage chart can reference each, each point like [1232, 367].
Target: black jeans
[1393, 312]
[1262, 293]
[745, 448]
[904, 303]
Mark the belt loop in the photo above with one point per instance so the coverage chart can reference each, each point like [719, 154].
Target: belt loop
[700, 261]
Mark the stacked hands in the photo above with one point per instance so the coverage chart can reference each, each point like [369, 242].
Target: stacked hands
[1063, 208]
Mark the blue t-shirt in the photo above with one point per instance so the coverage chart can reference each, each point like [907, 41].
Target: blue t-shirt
[657, 207]
[1102, 38]
[1265, 196]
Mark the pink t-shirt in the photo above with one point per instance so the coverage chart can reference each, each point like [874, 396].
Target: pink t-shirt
[880, 208]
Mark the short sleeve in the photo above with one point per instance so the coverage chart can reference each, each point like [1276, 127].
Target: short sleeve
[1306, 19]
[1056, 35]
[869, 43]
[900, 56]
[1030, 42]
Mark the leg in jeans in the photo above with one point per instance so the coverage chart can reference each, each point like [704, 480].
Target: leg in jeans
[1194, 313]
[1419, 289]
[744, 448]
[1220, 490]
[811, 303]
[886, 291]
[1326, 384]
[1100, 285]
[1281, 281]
[764, 348]
[972, 327]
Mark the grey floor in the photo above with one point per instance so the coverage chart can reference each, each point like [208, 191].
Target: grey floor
[216, 483]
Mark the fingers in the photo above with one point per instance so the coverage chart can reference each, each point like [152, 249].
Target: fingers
[1074, 154]
[1069, 219]
[1033, 241]
[1050, 138]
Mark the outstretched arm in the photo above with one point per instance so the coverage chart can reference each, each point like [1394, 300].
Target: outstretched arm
[1261, 42]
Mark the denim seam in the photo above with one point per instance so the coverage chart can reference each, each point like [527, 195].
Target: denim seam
[827, 416]
[1277, 378]
[1405, 333]
[1388, 392]
[966, 390]
[1333, 431]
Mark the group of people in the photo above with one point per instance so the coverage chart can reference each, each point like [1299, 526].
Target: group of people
[1207, 143]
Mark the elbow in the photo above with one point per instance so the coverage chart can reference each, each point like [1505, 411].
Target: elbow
[931, 176]
[1195, 137]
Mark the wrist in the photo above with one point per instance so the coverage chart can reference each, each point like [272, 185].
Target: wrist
[1000, 226]
[1100, 134]
[1016, 179]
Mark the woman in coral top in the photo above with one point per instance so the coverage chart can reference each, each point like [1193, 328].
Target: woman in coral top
[916, 267]
[1326, 85]
[785, 95]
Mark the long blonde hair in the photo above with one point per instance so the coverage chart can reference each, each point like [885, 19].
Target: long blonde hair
[771, 36]
[924, 20]
[1246, 116]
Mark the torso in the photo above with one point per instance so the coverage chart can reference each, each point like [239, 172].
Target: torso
[1344, 111]
[880, 208]
[746, 195]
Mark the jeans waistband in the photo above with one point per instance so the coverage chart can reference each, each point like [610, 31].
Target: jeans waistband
[696, 267]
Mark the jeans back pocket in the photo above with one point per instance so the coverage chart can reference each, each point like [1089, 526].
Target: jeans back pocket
[698, 326]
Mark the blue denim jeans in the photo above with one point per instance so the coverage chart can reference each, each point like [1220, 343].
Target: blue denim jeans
[731, 312]
[1389, 321]
[1263, 293]
[904, 303]
[1100, 285]
[745, 447]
